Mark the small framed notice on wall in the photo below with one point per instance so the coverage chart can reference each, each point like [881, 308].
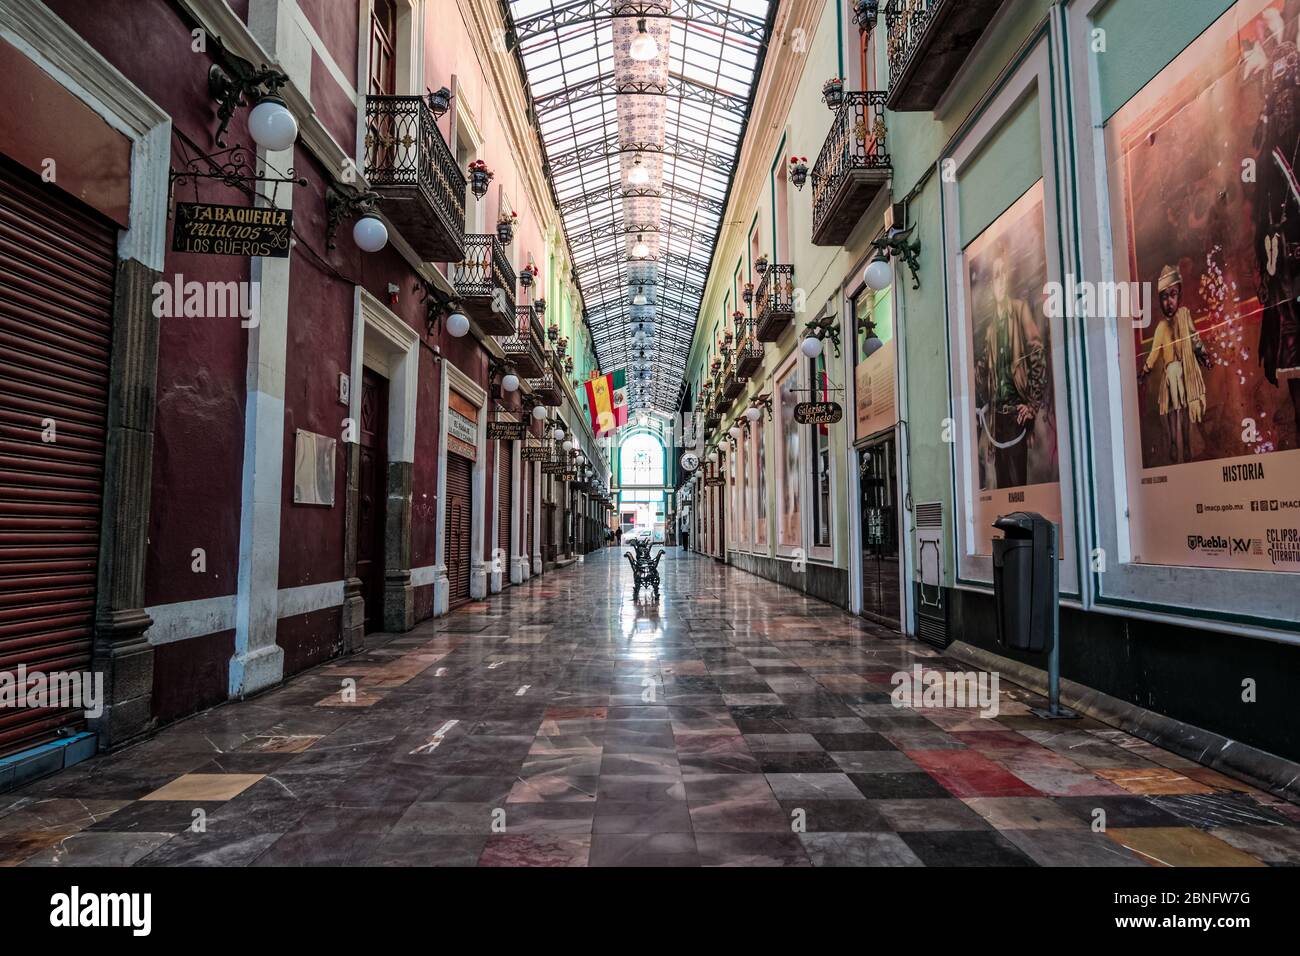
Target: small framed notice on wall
[313, 469]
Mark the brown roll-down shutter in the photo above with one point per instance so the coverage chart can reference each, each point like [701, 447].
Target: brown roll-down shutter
[504, 500]
[459, 511]
[57, 261]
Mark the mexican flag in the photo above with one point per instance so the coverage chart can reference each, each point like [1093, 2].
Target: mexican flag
[607, 402]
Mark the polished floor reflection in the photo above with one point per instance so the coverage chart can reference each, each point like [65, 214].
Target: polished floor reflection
[564, 724]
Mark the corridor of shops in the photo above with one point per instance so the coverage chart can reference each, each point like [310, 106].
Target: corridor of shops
[569, 723]
[650, 433]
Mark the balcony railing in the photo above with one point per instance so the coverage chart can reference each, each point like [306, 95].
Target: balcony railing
[524, 348]
[409, 164]
[749, 351]
[774, 302]
[927, 41]
[546, 385]
[485, 285]
[733, 383]
[851, 168]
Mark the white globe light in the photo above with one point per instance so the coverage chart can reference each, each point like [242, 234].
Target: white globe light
[271, 124]
[510, 382]
[457, 324]
[713, 457]
[734, 431]
[539, 412]
[752, 413]
[557, 433]
[639, 249]
[638, 175]
[370, 234]
[879, 274]
[568, 445]
[643, 46]
[811, 346]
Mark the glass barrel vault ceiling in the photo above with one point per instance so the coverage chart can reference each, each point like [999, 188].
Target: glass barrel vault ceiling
[641, 150]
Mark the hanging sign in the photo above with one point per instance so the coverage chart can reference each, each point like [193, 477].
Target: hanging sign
[221, 230]
[818, 413]
[531, 452]
[506, 431]
[713, 481]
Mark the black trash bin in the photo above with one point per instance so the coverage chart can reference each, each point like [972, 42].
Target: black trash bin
[1025, 580]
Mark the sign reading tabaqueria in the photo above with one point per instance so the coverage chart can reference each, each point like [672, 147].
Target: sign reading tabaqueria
[222, 230]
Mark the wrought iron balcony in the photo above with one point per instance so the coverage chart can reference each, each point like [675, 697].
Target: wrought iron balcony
[409, 164]
[774, 302]
[546, 385]
[733, 385]
[851, 168]
[749, 351]
[927, 41]
[485, 285]
[712, 418]
[524, 348]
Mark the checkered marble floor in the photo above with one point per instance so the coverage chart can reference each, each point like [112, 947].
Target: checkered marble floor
[562, 723]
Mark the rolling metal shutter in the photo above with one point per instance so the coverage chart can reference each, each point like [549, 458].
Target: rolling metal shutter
[459, 510]
[57, 262]
[504, 500]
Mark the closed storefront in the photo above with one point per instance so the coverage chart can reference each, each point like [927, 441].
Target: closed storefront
[56, 293]
[505, 461]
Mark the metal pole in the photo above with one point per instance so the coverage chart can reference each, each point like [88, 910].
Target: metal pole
[1054, 709]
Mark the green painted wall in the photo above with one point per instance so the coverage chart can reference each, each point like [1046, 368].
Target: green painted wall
[1141, 37]
[1002, 171]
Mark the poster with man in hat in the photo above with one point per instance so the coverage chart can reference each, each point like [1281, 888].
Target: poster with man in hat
[1177, 350]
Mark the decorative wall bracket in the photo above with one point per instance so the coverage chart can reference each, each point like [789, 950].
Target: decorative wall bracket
[345, 202]
[895, 243]
[230, 167]
[235, 82]
[825, 328]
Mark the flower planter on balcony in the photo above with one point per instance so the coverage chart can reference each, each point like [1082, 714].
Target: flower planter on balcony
[485, 285]
[774, 302]
[409, 164]
[851, 168]
[524, 348]
[927, 42]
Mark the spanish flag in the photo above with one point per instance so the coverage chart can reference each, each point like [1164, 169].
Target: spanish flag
[607, 402]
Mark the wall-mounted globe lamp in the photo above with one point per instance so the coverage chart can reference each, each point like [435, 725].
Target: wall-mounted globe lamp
[879, 273]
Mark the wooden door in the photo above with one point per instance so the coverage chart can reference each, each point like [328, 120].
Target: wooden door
[458, 513]
[372, 495]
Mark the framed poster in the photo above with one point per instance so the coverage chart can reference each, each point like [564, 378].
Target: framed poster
[1006, 233]
[1210, 374]
[1013, 448]
[788, 484]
